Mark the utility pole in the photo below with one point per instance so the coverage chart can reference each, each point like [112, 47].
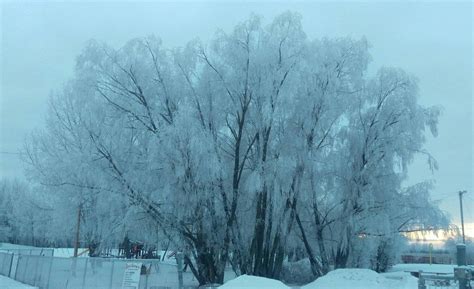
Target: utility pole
[462, 215]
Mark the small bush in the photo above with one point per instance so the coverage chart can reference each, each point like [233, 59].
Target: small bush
[298, 272]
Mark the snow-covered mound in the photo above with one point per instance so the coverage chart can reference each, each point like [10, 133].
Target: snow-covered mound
[253, 282]
[403, 280]
[361, 279]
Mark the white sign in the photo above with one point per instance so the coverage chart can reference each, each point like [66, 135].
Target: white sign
[131, 276]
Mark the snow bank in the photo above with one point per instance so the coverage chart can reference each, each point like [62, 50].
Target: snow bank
[253, 282]
[402, 280]
[348, 278]
[362, 279]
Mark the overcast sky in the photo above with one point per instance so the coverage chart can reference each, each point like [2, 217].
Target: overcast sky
[430, 40]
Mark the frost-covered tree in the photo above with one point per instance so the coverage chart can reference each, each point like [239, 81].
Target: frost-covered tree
[24, 215]
[235, 148]
[361, 195]
[5, 211]
[386, 131]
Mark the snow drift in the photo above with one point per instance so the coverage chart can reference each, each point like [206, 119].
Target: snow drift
[247, 282]
[362, 279]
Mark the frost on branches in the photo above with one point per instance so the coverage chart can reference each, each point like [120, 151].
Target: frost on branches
[241, 149]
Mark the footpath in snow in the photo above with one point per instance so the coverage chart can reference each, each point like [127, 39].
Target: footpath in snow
[7, 283]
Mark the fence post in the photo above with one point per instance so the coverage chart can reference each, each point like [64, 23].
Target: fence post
[179, 261]
[461, 261]
[85, 271]
[146, 275]
[49, 271]
[11, 265]
[36, 270]
[461, 254]
[112, 275]
[421, 280]
[16, 265]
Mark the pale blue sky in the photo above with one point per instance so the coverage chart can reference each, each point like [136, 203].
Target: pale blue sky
[431, 40]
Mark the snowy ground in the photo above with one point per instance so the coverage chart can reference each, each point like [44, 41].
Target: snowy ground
[338, 279]
[246, 281]
[363, 279]
[7, 283]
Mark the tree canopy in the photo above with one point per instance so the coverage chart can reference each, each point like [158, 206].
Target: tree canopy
[243, 148]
